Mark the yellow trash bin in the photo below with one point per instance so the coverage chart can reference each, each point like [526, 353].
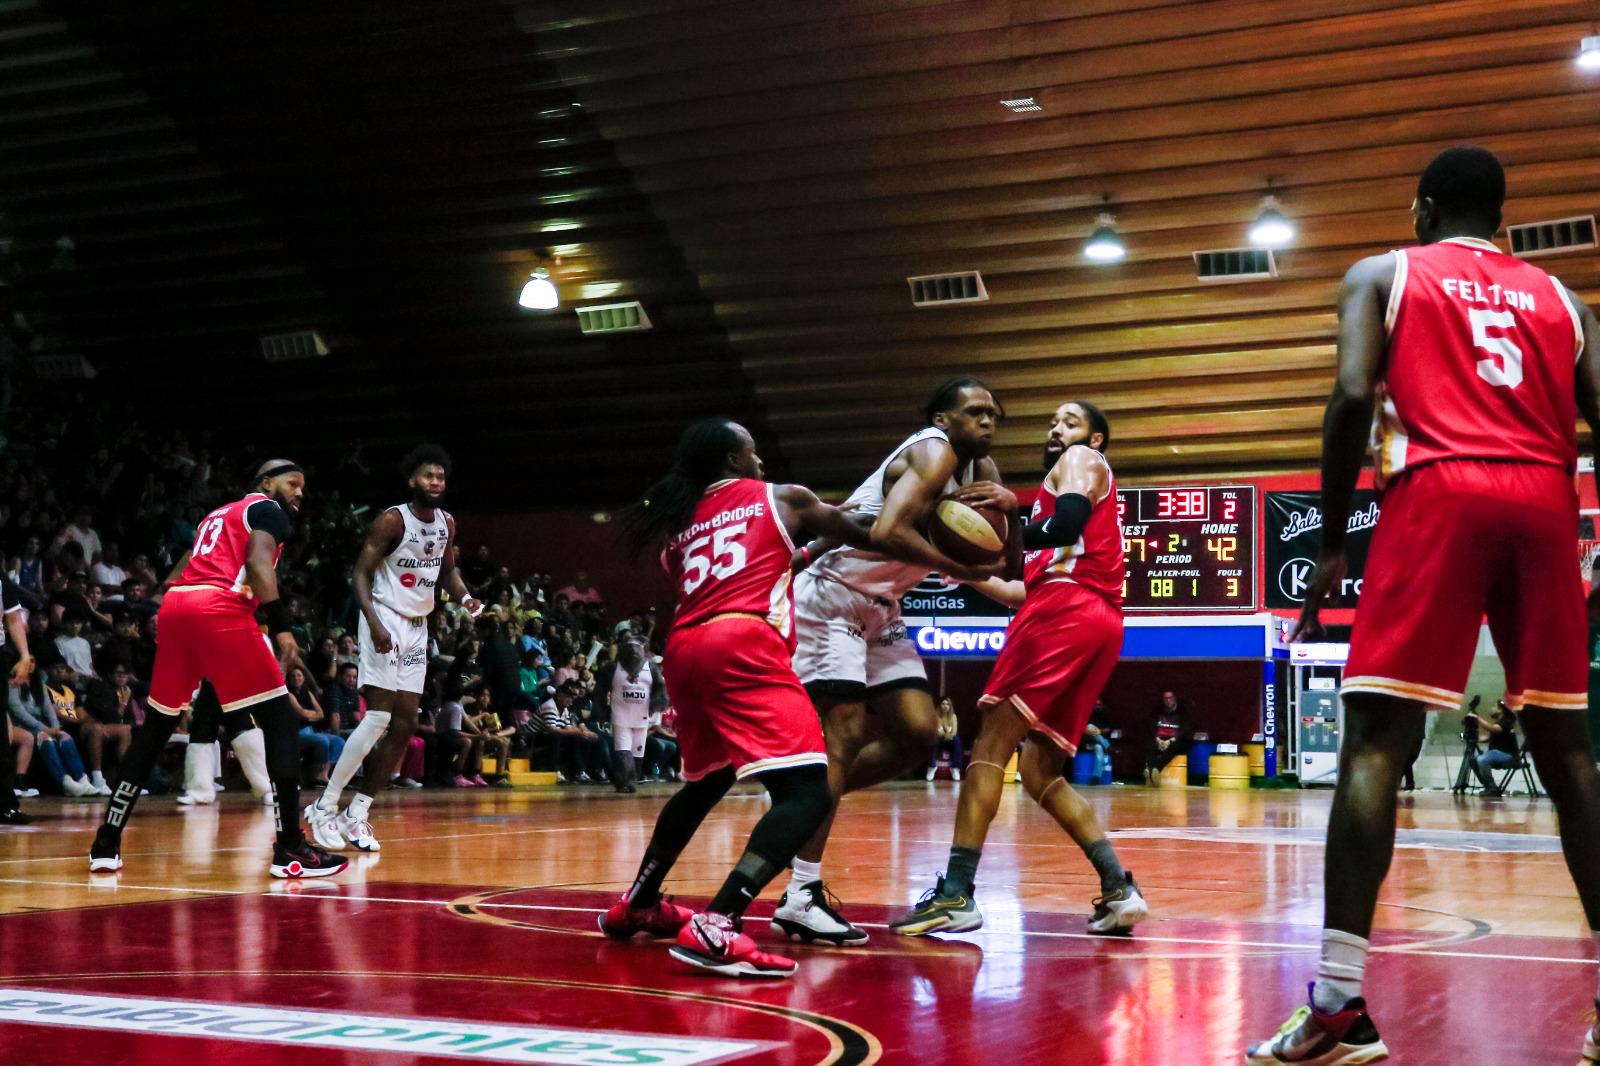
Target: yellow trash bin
[1230, 772]
[1257, 753]
[1176, 774]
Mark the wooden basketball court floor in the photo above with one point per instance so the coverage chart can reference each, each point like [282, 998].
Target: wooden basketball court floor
[472, 937]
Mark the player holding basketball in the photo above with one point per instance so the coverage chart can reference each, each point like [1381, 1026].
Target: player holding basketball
[863, 674]
[1058, 654]
[208, 631]
[408, 555]
[1477, 365]
[727, 538]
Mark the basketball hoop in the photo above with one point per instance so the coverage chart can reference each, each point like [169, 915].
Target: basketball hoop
[1588, 551]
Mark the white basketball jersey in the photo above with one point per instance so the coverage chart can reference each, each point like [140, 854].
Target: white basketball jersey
[630, 697]
[867, 572]
[407, 578]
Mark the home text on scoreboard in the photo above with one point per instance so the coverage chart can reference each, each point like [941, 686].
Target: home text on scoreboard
[1189, 548]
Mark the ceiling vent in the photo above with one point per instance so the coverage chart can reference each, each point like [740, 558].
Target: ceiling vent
[1022, 104]
[627, 317]
[1235, 264]
[1550, 238]
[939, 290]
[301, 344]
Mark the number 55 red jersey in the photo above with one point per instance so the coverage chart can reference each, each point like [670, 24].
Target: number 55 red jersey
[733, 557]
[1482, 348]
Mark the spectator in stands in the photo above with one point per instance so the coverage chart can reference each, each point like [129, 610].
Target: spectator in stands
[107, 571]
[661, 760]
[501, 660]
[577, 746]
[344, 696]
[115, 710]
[1097, 734]
[493, 736]
[580, 591]
[37, 721]
[533, 637]
[318, 734]
[136, 597]
[141, 570]
[81, 530]
[1501, 736]
[463, 748]
[1170, 726]
[477, 570]
[56, 689]
[949, 742]
[72, 646]
[33, 569]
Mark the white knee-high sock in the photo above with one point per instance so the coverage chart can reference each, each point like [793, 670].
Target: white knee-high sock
[197, 771]
[366, 736]
[251, 747]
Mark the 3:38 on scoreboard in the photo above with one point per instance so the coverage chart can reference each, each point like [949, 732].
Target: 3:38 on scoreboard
[1189, 548]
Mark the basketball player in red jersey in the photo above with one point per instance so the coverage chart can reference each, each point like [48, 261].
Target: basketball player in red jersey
[728, 540]
[209, 632]
[1477, 366]
[1058, 654]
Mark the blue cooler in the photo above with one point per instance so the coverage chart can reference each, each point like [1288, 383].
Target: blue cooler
[1084, 771]
[1200, 753]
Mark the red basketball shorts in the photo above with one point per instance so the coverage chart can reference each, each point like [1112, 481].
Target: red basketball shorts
[1058, 654]
[206, 633]
[1456, 541]
[739, 703]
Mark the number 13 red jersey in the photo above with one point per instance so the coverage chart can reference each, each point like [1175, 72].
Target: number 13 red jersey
[734, 556]
[221, 545]
[1482, 349]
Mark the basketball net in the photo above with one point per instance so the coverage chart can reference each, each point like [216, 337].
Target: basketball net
[1588, 551]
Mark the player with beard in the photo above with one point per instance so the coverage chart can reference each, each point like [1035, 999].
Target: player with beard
[209, 632]
[408, 555]
[863, 675]
[1058, 654]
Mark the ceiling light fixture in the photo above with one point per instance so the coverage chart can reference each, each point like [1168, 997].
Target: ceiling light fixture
[1022, 103]
[1271, 228]
[1589, 52]
[539, 293]
[1105, 246]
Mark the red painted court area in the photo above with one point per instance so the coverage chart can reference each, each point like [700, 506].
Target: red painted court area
[1029, 988]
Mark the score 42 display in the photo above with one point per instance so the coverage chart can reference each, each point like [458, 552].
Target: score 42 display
[1189, 549]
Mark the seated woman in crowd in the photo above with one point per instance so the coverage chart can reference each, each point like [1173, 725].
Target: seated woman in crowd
[661, 761]
[494, 737]
[463, 748]
[318, 734]
[37, 729]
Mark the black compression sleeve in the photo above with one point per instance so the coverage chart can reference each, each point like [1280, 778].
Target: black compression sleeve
[268, 517]
[1062, 528]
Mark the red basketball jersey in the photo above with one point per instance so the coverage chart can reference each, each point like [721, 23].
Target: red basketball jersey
[734, 556]
[1482, 349]
[221, 543]
[1095, 562]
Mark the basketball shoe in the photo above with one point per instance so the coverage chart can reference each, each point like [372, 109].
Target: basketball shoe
[811, 914]
[105, 854]
[939, 913]
[324, 826]
[662, 919]
[358, 831]
[1313, 1038]
[305, 859]
[713, 942]
[1119, 911]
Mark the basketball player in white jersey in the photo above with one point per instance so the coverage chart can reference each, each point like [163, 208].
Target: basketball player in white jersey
[863, 674]
[408, 556]
[631, 687]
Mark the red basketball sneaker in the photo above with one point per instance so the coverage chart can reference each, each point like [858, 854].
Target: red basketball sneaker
[713, 942]
[665, 918]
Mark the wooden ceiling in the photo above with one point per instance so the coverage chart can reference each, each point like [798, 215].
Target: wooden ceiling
[808, 158]
[764, 176]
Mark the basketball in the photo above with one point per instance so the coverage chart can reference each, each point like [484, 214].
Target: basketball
[969, 535]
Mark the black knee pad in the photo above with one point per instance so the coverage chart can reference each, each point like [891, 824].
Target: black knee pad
[804, 789]
[278, 721]
[237, 722]
[205, 719]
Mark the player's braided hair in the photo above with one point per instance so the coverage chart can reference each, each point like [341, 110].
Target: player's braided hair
[423, 455]
[667, 505]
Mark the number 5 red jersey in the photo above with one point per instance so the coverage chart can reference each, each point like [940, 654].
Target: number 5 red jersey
[1481, 361]
[733, 557]
[222, 542]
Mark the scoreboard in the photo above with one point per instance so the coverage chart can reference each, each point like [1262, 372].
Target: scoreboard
[1191, 548]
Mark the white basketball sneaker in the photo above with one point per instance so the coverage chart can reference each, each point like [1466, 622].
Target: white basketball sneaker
[810, 914]
[358, 831]
[324, 827]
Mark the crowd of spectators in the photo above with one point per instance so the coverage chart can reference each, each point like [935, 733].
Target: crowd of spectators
[96, 510]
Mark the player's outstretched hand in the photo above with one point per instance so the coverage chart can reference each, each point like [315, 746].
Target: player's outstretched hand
[987, 494]
[976, 575]
[288, 651]
[473, 605]
[22, 672]
[382, 642]
[1330, 574]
